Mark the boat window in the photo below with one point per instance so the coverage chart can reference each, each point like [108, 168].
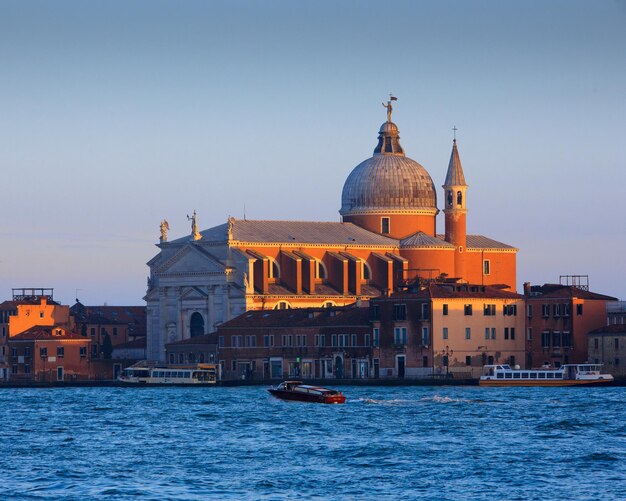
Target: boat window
[533, 375]
[500, 375]
[558, 375]
[516, 375]
[524, 375]
[509, 375]
[550, 375]
[542, 375]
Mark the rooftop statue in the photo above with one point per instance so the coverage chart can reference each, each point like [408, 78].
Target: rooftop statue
[194, 226]
[165, 226]
[389, 107]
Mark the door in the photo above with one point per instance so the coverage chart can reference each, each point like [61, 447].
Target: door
[401, 364]
[59, 373]
[338, 367]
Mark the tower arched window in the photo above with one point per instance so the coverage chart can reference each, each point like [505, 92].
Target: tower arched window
[282, 305]
[320, 270]
[273, 271]
[449, 198]
[196, 325]
[459, 198]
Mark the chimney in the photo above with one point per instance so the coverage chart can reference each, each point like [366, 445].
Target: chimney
[526, 288]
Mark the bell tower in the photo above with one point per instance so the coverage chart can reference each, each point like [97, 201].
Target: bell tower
[455, 210]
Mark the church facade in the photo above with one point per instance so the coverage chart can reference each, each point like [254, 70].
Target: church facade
[385, 241]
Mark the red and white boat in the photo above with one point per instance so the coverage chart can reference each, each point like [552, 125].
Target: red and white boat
[295, 390]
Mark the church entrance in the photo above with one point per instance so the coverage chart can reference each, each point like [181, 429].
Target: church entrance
[196, 325]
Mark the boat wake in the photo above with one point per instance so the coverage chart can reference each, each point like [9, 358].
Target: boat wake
[436, 399]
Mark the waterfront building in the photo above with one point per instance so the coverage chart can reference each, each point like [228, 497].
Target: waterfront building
[607, 345]
[120, 324]
[616, 313]
[387, 238]
[192, 351]
[447, 328]
[306, 343]
[48, 354]
[558, 319]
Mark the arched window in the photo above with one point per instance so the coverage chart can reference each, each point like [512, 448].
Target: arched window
[449, 198]
[366, 272]
[273, 271]
[282, 305]
[196, 325]
[459, 198]
[320, 270]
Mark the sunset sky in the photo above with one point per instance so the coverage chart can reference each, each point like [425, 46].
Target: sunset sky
[115, 115]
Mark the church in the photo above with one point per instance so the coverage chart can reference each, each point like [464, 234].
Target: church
[386, 240]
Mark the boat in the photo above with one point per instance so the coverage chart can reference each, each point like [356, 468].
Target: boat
[566, 375]
[296, 390]
[202, 374]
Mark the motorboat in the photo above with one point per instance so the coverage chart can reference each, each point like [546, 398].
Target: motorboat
[296, 390]
[566, 375]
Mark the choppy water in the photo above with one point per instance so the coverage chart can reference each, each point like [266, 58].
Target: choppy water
[241, 443]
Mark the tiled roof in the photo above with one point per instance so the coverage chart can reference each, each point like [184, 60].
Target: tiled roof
[454, 176]
[421, 239]
[306, 232]
[299, 317]
[610, 329]
[134, 316]
[558, 291]
[444, 291]
[40, 332]
[482, 242]
[137, 343]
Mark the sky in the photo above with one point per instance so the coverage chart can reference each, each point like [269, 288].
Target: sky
[115, 115]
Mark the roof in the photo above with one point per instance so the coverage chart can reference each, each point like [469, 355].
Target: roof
[292, 232]
[133, 316]
[558, 291]
[610, 329]
[482, 242]
[44, 332]
[421, 239]
[299, 317]
[451, 291]
[454, 176]
[137, 343]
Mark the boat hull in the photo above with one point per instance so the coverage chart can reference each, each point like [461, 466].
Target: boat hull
[304, 397]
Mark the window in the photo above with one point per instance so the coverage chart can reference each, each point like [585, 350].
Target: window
[374, 312]
[425, 361]
[617, 361]
[445, 309]
[486, 267]
[333, 340]
[445, 333]
[425, 336]
[41, 314]
[251, 341]
[493, 333]
[268, 340]
[399, 311]
[616, 343]
[425, 311]
[556, 339]
[376, 336]
[595, 343]
[60, 351]
[579, 309]
[468, 360]
[83, 351]
[545, 339]
[468, 333]
[565, 310]
[384, 225]
[367, 340]
[92, 331]
[529, 311]
[529, 334]
[220, 341]
[486, 332]
[567, 339]
[43, 352]
[509, 310]
[26, 351]
[172, 359]
[14, 352]
[545, 310]
[489, 310]
[181, 358]
[27, 368]
[354, 340]
[322, 340]
[512, 333]
[467, 309]
[115, 331]
[399, 334]
[506, 333]
[282, 305]
[556, 310]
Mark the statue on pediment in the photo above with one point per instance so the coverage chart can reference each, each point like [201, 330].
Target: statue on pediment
[165, 226]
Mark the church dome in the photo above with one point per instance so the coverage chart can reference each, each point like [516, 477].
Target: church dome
[388, 181]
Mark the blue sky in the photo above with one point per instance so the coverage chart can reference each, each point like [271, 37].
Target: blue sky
[115, 115]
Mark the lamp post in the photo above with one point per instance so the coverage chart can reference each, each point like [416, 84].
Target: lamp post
[446, 359]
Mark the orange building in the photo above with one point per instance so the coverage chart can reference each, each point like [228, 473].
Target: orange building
[387, 238]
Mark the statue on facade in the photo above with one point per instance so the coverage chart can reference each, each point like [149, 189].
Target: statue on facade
[195, 233]
[246, 283]
[231, 223]
[389, 107]
[165, 226]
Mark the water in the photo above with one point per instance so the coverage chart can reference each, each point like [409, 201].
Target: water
[242, 443]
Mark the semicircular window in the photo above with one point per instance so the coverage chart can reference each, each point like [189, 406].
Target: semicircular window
[196, 325]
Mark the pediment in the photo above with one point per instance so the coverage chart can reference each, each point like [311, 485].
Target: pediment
[191, 293]
[190, 260]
